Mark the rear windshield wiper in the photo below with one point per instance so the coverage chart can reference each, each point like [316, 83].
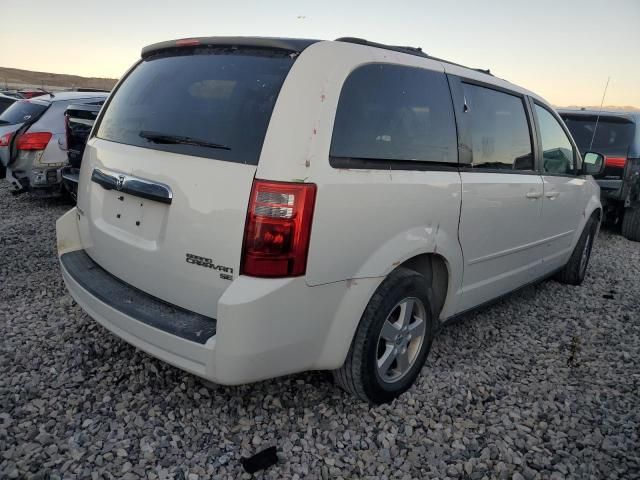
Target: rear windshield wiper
[158, 137]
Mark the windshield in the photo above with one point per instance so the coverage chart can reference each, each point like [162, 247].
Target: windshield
[196, 101]
[21, 111]
[613, 135]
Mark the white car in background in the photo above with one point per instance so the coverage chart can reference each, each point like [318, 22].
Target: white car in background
[251, 207]
[33, 140]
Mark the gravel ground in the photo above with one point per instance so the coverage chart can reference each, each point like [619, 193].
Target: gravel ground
[545, 384]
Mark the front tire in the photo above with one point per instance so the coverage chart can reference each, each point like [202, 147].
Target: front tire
[575, 270]
[392, 340]
[631, 224]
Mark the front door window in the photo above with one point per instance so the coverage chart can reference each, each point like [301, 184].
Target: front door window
[558, 156]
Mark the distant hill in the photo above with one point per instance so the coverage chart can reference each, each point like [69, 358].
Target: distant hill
[627, 108]
[16, 78]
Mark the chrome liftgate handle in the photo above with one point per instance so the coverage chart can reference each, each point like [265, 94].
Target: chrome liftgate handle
[139, 187]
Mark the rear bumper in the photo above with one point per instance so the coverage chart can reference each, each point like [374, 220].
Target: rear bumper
[265, 327]
[37, 180]
[109, 290]
[187, 355]
[45, 177]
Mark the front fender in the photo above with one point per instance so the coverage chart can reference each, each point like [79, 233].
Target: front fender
[593, 205]
[593, 202]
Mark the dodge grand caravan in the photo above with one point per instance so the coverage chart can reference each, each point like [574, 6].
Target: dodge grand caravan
[253, 207]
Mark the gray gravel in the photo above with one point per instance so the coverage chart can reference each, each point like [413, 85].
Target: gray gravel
[545, 384]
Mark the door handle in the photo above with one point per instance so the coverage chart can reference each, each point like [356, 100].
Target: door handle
[551, 195]
[533, 195]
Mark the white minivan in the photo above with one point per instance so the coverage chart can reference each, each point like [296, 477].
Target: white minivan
[255, 207]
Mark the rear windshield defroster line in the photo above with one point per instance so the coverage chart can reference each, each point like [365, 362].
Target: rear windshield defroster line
[207, 102]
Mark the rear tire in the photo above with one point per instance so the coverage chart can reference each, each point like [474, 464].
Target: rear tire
[631, 224]
[575, 270]
[392, 340]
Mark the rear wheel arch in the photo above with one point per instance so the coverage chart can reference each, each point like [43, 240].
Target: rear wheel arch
[436, 271]
[360, 373]
[433, 267]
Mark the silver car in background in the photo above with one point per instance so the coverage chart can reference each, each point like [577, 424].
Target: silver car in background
[33, 140]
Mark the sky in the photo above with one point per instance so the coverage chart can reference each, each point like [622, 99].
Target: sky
[564, 50]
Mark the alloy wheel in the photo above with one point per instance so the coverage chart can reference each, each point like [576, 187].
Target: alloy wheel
[400, 339]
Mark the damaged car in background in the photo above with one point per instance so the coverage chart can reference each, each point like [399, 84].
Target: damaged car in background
[33, 140]
[79, 120]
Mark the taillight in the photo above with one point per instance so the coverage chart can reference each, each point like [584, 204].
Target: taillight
[33, 141]
[618, 162]
[276, 237]
[5, 139]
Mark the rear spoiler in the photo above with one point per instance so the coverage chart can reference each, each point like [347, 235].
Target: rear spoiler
[293, 45]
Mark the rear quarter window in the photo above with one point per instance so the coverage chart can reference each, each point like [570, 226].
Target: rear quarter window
[558, 156]
[216, 96]
[394, 113]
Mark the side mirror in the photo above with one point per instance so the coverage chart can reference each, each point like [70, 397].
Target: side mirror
[592, 163]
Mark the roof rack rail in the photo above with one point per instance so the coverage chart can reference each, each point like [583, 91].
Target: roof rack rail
[417, 51]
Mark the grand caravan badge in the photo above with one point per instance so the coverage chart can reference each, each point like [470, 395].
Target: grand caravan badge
[226, 273]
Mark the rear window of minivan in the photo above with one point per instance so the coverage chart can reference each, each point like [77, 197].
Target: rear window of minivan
[216, 102]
